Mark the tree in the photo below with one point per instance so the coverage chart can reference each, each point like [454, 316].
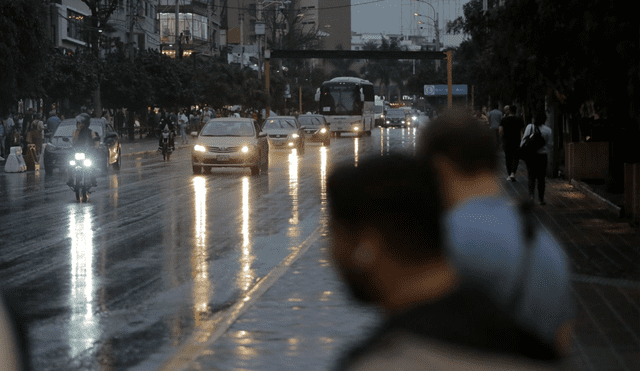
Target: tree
[68, 76]
[22, 45]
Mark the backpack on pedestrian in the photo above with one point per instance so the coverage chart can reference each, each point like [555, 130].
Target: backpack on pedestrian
[531, 143]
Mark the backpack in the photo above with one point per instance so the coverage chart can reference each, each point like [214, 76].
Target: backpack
[532, 143]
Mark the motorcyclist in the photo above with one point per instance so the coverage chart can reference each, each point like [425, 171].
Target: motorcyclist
[166, 124]
[85, 140]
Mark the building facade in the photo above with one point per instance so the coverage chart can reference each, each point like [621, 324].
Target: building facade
[197, 29]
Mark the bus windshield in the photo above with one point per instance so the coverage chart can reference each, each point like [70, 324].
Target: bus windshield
[340, 99]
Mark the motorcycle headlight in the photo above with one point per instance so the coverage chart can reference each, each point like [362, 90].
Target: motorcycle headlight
[79, 156]
[87, 163]
[199, 148]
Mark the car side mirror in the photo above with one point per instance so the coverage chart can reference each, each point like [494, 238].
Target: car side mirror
[262, 134]
[111, 135]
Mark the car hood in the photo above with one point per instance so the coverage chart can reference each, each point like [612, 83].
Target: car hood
[58, 142]
[279, 131]
[225, 141]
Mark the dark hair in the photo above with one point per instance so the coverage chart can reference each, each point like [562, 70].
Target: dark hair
[394, 196]
[463, 139]
[540, 117]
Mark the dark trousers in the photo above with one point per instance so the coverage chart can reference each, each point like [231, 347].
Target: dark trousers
[537, 170]
[511, 158]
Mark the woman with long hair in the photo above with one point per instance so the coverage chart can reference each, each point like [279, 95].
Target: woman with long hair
[537, 163]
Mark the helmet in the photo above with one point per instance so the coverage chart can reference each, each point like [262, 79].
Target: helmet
[84, 119]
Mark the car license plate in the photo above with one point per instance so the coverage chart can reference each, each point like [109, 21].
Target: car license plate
[222, 157]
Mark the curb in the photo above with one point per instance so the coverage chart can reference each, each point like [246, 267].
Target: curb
[582, 187]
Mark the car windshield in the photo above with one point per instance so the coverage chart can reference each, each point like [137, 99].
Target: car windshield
[311, 121]
[68, 129]
[280, 124]
[228, 129]
[395, 113]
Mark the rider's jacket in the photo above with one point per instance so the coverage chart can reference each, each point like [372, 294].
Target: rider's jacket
[85, 139]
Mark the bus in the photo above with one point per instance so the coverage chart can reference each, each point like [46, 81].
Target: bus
[348, 105]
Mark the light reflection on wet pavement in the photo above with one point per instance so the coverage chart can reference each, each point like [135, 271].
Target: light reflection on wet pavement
[157, 253]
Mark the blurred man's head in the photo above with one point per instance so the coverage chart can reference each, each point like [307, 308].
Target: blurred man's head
[463, 151]
[385, 223]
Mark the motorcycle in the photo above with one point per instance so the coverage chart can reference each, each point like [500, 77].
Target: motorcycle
[81, 166]
[166, 145]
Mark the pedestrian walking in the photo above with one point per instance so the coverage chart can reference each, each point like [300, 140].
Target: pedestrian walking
[511, 128]
[35, 133]
[52, 122]
[484, 230]
[182, 121]
[4, 131]
[537, 162]
[494, 117]
[388, 249]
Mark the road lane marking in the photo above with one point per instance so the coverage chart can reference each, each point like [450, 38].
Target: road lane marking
[203, 338]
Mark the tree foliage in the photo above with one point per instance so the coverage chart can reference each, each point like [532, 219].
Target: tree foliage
[22, 45]
[579, 49]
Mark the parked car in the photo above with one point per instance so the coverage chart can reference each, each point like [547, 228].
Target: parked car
[230, 142]
[317, 128]
[60, 147]
[285, 132]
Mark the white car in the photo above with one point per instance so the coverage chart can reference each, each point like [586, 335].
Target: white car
[230, 142]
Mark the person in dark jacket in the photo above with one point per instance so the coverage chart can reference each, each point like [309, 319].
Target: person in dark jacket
[386, 243]
[166, 123]
[85, 139]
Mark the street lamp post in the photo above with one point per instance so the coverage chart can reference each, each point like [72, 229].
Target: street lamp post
[435, 22]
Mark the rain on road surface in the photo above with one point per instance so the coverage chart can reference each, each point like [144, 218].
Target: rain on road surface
[157, 252]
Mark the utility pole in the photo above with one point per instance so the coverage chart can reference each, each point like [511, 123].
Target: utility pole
[241, 40]
[177, 37]
[132, 14]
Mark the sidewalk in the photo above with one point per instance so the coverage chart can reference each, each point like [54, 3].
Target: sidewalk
[305, 321]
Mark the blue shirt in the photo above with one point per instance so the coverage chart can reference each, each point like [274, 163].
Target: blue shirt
[486, 244]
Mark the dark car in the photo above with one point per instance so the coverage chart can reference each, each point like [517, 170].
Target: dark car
[60, 147]
[230, 142]
[395, 118]
[285, 132]
[316, 128]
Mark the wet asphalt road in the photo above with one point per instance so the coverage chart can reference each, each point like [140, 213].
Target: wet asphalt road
[157, 251]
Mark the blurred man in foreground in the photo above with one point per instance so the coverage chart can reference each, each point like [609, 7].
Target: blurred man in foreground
[484, 231]
[386, 243]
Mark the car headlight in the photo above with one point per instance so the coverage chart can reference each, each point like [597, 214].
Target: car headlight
[402, 121]
[72, 163]
[388, 122]
[356, 128]
[414, 118]
[199, 148]
[79, 156]
[244, 149]
[294, 135]
[323, 130]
